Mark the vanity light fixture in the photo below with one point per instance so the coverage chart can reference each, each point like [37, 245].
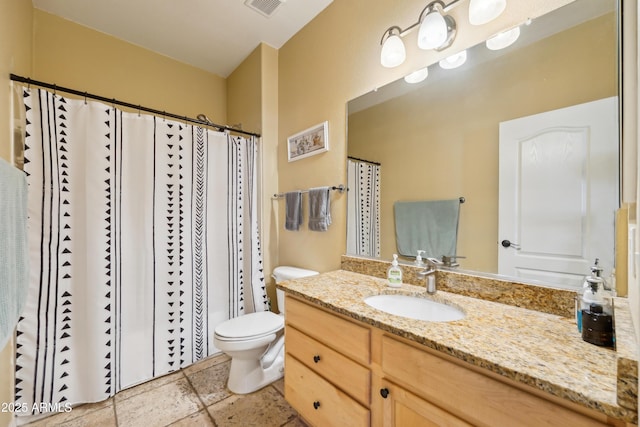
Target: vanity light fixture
[503, 39]
[454, 61]
[417, 76]
[393, 52]
[483, 11]
[436, 31]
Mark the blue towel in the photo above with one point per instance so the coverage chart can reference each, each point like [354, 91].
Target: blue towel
[14, 256]
[293, 208]
[319, 209]
[431, 226]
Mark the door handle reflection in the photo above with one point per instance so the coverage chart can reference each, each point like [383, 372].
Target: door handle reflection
[507, 244]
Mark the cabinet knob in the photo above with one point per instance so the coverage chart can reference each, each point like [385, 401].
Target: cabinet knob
[384, 392]
[316, 358]
[316, 404]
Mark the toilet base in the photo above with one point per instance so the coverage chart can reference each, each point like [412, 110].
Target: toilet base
[247, 376]
[252, 369]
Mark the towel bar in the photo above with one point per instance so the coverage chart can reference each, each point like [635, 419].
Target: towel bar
[340, 188]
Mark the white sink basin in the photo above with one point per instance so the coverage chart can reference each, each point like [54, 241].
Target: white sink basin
[414, 308]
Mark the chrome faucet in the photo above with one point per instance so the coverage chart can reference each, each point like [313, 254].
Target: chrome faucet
[429, 274]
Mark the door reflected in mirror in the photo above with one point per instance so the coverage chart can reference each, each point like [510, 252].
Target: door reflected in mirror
[440, 139]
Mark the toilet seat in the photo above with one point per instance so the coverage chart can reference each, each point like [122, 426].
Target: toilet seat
[249, 326]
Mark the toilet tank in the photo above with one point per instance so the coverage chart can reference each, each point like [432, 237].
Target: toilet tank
[284, 272]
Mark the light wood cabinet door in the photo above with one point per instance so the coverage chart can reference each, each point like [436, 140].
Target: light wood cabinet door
[404, 409]
[477, 398]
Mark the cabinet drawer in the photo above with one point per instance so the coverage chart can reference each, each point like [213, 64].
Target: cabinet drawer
[317, 400]
[476, 398]
[342, 335]
[333, 366]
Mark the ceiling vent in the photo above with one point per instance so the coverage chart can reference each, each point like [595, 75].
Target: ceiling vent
[264, 7]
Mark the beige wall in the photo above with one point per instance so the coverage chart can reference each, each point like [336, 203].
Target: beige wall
[70, 55]
[336, 58]
[244, 100]
[15, 57]
[441, 142]
[269, 165]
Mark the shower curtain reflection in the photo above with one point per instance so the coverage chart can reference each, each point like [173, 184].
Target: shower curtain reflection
[363, 208]
[143, 237]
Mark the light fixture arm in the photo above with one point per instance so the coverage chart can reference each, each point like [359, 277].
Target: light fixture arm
[428, 8]
[389, 32]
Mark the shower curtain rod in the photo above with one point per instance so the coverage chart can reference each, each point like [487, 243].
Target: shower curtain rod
[363, 160]
[55, 88]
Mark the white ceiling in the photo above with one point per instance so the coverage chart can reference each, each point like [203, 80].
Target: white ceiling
[214, 35]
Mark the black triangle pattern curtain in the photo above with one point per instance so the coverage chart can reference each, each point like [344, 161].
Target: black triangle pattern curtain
[143, 236]
[363, 208]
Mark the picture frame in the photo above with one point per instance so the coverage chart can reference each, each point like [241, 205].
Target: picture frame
[309, 142]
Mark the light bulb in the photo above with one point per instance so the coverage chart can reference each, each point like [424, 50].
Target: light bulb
[483, 11]
[504, 39]
[454, 61]
[433, 31]
[393, 52]
[417, 76]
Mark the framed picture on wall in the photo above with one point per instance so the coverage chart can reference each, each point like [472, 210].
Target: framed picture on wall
[309, 142]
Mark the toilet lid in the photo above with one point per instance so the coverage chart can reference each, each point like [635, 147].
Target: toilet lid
[250, 325]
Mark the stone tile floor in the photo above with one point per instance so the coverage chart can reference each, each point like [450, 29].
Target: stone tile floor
[194, 396]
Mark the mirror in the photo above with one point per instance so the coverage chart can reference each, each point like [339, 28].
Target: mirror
[439, 139]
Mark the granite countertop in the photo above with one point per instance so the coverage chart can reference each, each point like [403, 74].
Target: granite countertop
[541, 350]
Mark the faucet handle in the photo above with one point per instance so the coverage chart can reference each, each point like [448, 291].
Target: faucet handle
[449, 260]
[434, 261]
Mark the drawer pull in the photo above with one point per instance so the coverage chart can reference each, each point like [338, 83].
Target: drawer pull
[316, 404]
[316, 358]
[384, 392]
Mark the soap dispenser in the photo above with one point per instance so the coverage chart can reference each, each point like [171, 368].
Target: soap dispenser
[596, 271]
[597, 313]
[394, 274]
[418, 260]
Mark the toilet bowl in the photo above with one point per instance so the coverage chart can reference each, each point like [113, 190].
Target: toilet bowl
[255, 341]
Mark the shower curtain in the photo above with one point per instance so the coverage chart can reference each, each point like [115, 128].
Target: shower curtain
[143, 236]
[363, 208]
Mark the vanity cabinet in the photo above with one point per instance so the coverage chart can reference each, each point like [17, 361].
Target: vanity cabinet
[340, 372]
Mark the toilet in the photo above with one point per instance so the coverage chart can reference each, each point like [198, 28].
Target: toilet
[255, 341]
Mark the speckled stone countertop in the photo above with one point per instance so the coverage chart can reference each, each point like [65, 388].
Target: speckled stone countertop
[539, 349]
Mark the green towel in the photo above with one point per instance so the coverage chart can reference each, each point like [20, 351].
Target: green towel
[431, 226]
[14, 256]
